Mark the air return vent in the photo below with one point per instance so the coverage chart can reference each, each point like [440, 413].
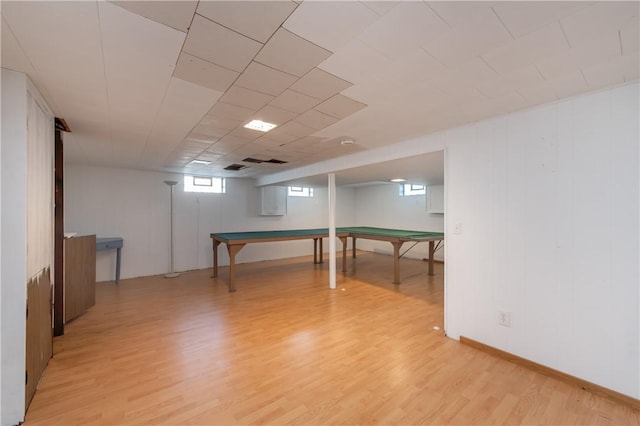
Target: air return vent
[253, 160]
[257, 160]
[235, 167]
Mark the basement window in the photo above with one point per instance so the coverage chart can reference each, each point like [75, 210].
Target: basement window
[412, 189]
[300, 191]
[211, 185]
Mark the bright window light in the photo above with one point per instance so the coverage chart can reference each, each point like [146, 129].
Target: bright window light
[412, 189]
[211, 185]
[300, 191]
[260, 125]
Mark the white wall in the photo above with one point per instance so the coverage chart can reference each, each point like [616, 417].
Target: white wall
[382, 206]
[13, 235]
[548, 200]
[134, 205]
[1, 329]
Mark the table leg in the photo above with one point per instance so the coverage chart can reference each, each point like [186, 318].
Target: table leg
[396, 261]
[431, 255]
[215, 258]
[320, 251]
[353, 247]
[315, 251]
[343, 240]
[233, 250]
[117, 265]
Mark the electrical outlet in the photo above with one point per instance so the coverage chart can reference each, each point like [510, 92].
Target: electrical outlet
[504, 318]
[457, 229]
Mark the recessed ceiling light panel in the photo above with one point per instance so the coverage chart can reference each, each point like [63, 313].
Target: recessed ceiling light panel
[201, 162]
[397, 180]
[260, 125]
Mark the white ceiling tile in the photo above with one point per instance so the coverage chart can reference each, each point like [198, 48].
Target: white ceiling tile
[183, 105]
[315, 119]
[234, 112]
[340, 106]
[209, 156]
[13, 57]
[294, 129]
[512, 101]
[247, 98]
[455, 12]
[374, 89]
[330, 24]
[176, 14]
[306, 144]
[405, 27]
[200, 137]
[630, 36]
[274, 115]
[287, 52]
[320, 84]
[214, 43]
[568, 85]
[139, 56]
[380, 7]
[78, 68]
[195, 146]
[210, 130]
[600, 50]
[265, 80]
[528, 49]
[227, 144]
[249, 149]
[415, 67]
[523, 17]
[220, 149]
[267, 142]
[293, 101]
[279, 135]
[246, 134]
[204, 73]
[409, 96]
[354, 61]
[618, 70]
[556, 88]
[471, 37]
[255, 19]
[501, 85]
[466, 74]
[598, 19]
[216, 126]
[220, 122]
[631, 67]
[88, 124]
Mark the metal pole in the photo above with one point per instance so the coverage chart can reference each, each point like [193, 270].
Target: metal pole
[332, 230]
[171, 274]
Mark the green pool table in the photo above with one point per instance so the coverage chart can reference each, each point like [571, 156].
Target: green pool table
[235, 241]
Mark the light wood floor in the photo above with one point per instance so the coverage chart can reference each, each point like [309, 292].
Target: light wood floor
[284, 349]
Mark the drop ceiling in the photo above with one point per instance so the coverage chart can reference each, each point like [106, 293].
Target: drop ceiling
[154, 85]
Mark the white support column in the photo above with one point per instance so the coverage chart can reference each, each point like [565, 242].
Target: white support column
[332, 230]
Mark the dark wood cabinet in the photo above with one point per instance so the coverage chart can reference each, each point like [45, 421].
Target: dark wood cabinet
[79, 275]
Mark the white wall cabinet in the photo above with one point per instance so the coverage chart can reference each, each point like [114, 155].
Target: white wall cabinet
[435, 199]
[274, 201]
